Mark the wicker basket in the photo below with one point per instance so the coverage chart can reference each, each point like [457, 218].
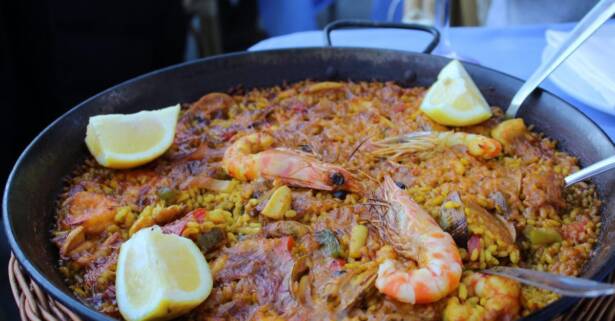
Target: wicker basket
[36, 305]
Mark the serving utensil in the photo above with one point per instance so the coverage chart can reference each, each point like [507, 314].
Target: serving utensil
[590, 171]
[560, 284]
[592, 21]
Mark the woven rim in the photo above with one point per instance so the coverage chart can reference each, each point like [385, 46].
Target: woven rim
[32, 302]
[36, 305]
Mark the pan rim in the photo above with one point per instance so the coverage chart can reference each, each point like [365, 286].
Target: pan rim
[76, 305]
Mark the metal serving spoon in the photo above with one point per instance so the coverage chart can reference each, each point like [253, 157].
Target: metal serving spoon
[593, 20]
[564, 285]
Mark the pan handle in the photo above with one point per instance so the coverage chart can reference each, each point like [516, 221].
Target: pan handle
[342, 24]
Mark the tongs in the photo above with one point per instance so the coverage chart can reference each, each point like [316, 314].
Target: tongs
[593, 20]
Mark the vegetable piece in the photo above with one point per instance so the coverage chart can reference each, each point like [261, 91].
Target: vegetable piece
[279, 203]
[453, 219]
[167, 194]
[358, 238]
[210, 239]
[327, 239]
[542, 235]
[507, 131]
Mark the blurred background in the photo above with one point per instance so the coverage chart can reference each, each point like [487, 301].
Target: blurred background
[55, 54]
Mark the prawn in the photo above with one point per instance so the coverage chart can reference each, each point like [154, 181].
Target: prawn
[498, 299]
[94, 211]
[477, 145]
[251, 157]
[415, 235]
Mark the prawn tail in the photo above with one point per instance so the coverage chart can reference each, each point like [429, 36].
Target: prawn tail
[420, 286]
[477, 145]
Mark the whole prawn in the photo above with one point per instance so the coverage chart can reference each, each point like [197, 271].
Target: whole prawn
[477, 145]
[415, 235]
[252, 156]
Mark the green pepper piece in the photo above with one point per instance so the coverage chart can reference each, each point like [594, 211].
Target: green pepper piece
[166, 194]
[210, 239]
[542, 235]
[327, 239]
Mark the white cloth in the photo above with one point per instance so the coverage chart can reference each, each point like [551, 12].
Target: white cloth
[589, 73]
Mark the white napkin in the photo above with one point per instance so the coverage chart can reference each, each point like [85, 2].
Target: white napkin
[589, 73]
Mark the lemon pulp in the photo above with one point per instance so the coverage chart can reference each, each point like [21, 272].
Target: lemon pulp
[125, 141]
[454, 99]
[160, 276]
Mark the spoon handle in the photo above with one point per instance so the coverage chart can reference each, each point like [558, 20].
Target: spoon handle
[560, 284]
[591, 171]
[583, 30]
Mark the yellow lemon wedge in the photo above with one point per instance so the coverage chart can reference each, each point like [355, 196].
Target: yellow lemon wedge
[160, 276]
[126, 141]
[454, 99]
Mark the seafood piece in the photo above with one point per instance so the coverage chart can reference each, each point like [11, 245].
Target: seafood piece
[213, 105]
[152, 215]
[251, 157]
[286, 228]
[498, 298]
[178, 226]
[299, 283]
[75, 238]
[502, 230]
[453, 219]
[94, 211]
[262, 267]
[477, 145]
[350, 287]
[416, 235]
[501, 205]
[211, 184]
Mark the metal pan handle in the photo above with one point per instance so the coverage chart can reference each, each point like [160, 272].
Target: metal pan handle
[343, 24]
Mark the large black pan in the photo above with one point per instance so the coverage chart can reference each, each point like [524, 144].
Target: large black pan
[37, 178]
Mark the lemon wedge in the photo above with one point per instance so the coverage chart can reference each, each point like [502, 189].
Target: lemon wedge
[454, 99]
[125, 141]
[160, 276]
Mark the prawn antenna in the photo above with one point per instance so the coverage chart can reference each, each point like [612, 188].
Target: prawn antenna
[356, 149]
